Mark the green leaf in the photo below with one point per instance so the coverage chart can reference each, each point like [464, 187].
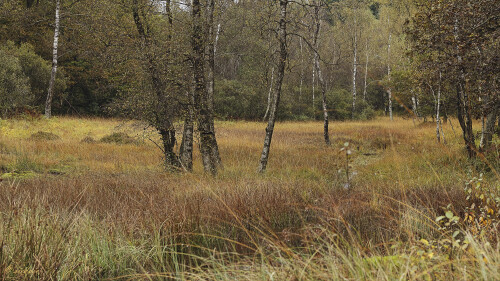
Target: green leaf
[449, 214]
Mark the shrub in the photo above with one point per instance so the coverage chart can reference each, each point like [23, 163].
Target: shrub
[234, 100]
[340, 101]
[14, 85]
[118, 138]
[27, 77]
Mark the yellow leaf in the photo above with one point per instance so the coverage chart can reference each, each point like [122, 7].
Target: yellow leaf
[425, 242]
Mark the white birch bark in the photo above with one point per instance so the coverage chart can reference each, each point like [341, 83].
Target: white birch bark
[322, 83]
[354, 68]
[50, 92]
[269, 95]
[283, 56]
[301, 67]
[438, 102]
[313, 89]
[389, 90]
[366, 70]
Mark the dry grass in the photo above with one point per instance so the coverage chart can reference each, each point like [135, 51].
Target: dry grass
[107, 210]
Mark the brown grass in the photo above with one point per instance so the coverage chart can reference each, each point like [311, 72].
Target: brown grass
[400, 173]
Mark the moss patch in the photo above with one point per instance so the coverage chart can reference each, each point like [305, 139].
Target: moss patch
[44, 136]
[88, 139]
[119, 138]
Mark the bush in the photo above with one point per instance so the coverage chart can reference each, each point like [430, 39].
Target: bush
[363, 111]
[29, 77]
[340, 101]
[234, 100]
[118, 138]
[14, 85]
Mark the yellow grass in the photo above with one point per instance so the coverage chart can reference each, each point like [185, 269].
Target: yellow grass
[401, 179]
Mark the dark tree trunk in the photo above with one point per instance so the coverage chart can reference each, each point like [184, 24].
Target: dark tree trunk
[205, 118]
[168, 139]
[490, 125]
[465, 120]
[282, 34]
[163, 119]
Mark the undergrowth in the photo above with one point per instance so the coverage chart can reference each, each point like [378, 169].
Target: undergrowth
[384, 202]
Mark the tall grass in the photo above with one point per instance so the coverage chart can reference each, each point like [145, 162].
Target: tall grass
[114, 213]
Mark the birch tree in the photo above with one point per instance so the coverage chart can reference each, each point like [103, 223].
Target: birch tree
[163, 107]
[202, 96]
[355, 62]
[52, 81]
[317, 28]
[283, 55]
[389, 90]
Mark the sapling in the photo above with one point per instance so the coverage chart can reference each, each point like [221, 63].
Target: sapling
[348, 152]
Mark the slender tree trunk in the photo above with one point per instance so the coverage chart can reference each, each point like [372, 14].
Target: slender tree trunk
[438, 102]
[203, 101]
[301, 68]
[186, 149]
[414, 105]
[283, 55]
[269, 100]
[489, 129]
[314, 90]
[354, 69]
[211, 47]
[322, 83]
[50, 92]
[366, 70]
[163, 119]
[464, 107]
[389, 90]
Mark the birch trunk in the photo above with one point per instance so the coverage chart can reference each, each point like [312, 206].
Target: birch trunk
[389, 90]
[354, 69]
[438, 102]
[313, 90]
[463, 102]
[186, 149]
[211, 47]
[366, 70]
[269, 96]
[163, 120]
[52, 81]
[301, 68]
[490, 125]
[282, 34]
[414, 105]
[202, 98]
[320, 76]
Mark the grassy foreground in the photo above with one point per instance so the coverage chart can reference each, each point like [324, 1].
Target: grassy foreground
[73, 207]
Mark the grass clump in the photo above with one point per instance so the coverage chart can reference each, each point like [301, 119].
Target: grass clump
[44, 136]
[88, 139]
[119, 138]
